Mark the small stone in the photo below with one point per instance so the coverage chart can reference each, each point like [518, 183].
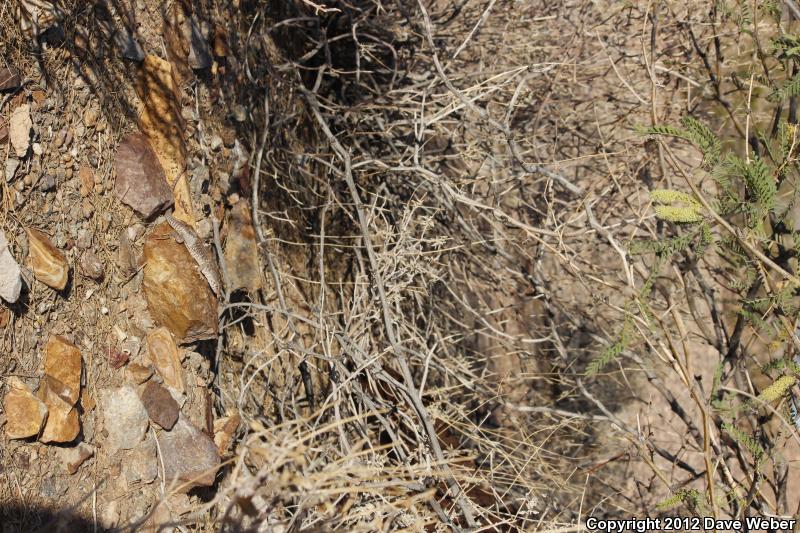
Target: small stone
[63, 423]
[19, 127]
[87, 209]
[90, 116]
[224, 430]
[178, 296]
[91, 266]
[62, 361]
[86, 177]
[163, 353]
[24, 412]
[47, 182]
[9, 78]
[73, 458]
[160, 406]
[125, 417]
[48, 262]
[190, 457]
[127, 46]
[215, 143]
[141, 182]
[139, 373]
[27, 180]
[37, 149]
[10, 272]
[11, 168]
[84, 241]
[141, 463]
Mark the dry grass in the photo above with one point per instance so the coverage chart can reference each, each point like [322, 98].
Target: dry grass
[444, 196]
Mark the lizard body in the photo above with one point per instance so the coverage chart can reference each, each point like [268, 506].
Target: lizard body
[198, 251]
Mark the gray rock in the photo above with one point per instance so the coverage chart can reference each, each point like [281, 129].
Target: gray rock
[11, 168]
[141, 463]
[125, 417]
[10, 273]
[190, 456]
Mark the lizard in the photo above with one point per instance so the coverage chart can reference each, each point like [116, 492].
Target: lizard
[197, 249]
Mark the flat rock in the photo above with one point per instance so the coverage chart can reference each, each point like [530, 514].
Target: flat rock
[125, 417]
[9, 78]
[73, 458]
[47, 262]
[159, 404]
[62, 361]
[241, 250]
[25, 413]
[10, 273]
[163, 353]
[141, 182]
[63, 423]
[178, 296]
[190, 456]
[19, 129]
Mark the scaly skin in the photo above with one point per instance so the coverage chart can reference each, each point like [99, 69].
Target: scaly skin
[198, 251]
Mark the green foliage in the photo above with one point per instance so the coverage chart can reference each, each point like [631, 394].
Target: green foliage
[745, 441]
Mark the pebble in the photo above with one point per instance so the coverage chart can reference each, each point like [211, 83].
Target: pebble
[85, 237]
[48, 262]
[11, 168]
[91, 266]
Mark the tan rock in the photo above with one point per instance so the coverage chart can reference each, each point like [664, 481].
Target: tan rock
[224, 430]
[48, 263]
[19, 129]
[178, 296]
[163, 353]
[241, 250]
[139, 373]
[63, 423]
[25, 413]
[62, 361]
[73, 458]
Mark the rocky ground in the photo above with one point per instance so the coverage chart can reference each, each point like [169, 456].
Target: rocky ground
[111, 314]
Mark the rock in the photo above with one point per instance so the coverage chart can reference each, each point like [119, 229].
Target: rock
[24, 412]
[91, 266]
[215, 143]
[48, 263]
[63, 423]
[19, 129]
[47, 182]
[84, 240]
[139, 373]
[125, 417]
[11, 168]
[127, 45]
[190, 456]
[9, 78]
[62, 361]
[160, 406]
[90, 116]
[73, 458]
[159, 520]
[3, 134]
[141, 463]
[141, 182]
[86, 177]
[163, 353]
[10, 273]
[241, 250]
[178, 296]
[224, 430]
